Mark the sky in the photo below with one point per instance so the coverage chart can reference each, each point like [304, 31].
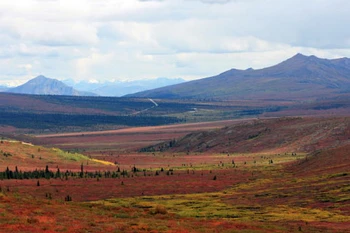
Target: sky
[98, 40]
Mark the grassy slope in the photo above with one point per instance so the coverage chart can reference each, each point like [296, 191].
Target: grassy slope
[292, 134]
[283, 199]
[30, 215]
[29, 157]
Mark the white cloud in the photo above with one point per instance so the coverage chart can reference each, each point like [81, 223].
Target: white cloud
[215, 1]
[93, 81]
[87, 66]
[134, 39]
[26, 66]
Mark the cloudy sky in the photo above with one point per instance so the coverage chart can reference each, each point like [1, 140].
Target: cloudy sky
[144, 39]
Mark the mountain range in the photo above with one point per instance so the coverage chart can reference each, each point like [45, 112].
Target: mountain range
[3, 88]
[121, 88]
[298, 78]
[42, 85]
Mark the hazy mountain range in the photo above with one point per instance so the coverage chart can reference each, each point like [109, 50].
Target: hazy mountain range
[3, 88]
[120, 88]
[298, 78]
[42, 85]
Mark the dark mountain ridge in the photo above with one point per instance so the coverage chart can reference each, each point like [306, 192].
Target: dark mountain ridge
[298, 78]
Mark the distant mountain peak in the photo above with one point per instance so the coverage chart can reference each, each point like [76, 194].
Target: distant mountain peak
[300, 56]
[42, 85]
[302, 60]
[40, 77]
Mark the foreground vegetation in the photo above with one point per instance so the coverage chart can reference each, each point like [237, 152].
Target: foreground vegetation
[237, 192]
[262, 185]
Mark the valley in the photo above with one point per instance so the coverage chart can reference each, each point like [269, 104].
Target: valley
[177, 116]
[106, 183]
[245, 151]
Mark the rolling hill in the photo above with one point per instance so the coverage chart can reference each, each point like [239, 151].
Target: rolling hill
[289, 134]
[298, 78]
[26, 156]
[42, 85]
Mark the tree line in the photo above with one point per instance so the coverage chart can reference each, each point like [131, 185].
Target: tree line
[58, 174]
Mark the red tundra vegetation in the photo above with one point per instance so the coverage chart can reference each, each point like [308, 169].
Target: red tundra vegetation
[293, 177]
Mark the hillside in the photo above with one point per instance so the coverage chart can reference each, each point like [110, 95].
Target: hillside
[335, 160]
[291, 134]
[28, 157]
[42, 85]
[298, 78]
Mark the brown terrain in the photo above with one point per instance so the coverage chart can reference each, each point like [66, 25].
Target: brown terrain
[288, 134]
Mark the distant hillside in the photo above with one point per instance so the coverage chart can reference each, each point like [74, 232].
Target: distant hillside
[298, 78]
[46, 86]
[335, 159]
[120, 88]
[294, 134]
